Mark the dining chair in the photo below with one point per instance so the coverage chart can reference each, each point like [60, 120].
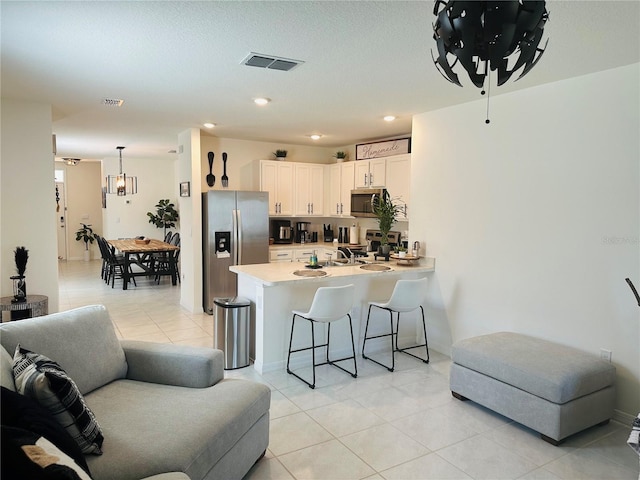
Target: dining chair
[116, 265]
[407, 296]
[329, 305]
[163, 258]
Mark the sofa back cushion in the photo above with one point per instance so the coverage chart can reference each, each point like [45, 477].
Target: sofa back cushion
[82, 341]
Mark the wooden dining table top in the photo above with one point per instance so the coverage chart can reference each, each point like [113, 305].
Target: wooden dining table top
[129, 245]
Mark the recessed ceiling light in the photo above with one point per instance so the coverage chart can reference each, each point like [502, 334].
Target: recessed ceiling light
[389, 118]
[261, 101]
[209, 125]
[315, 136]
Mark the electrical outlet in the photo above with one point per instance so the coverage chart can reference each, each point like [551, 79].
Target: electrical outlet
[605, 354]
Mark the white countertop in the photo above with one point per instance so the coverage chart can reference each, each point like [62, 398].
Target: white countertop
[270, 274]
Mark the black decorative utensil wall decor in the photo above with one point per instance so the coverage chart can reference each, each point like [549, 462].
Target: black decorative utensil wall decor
[211, 179]
[502, 36]
[225, 179]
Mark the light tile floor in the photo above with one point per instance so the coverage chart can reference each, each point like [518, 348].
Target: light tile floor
[401, 425]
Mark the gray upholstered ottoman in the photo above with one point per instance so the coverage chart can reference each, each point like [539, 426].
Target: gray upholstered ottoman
[550, 388]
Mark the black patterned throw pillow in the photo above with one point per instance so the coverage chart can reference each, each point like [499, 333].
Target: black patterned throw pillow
[42, 379]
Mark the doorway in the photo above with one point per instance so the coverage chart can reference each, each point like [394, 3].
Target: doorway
[61, 218]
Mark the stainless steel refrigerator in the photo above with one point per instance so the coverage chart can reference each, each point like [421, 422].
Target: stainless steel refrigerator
[235, 228]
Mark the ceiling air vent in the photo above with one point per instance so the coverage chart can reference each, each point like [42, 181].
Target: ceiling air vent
[270, 62]
[112, 102]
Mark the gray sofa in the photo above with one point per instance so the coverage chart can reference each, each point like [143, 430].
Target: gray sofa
[162, 407]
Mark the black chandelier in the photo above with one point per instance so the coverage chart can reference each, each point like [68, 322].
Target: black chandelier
[122, 184]
[502, 36]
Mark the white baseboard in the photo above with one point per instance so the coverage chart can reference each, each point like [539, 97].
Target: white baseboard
[623, 417]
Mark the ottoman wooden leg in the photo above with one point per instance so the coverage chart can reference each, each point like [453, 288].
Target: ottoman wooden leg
[458, 396]
[550, 440]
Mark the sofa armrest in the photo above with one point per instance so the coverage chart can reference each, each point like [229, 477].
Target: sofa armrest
[170, 364]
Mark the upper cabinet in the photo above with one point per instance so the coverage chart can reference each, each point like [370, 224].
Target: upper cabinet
[309, 189]
[277, 179]
[398, 182]
[370, 173]
[341, 182]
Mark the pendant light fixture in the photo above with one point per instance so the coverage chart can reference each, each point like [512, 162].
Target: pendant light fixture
[502, 36]
[72, 162]
[122, 184]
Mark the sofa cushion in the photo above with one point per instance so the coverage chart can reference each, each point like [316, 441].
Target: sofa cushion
[22, 412]
[548, 370]
[43, 380]
[82, 341]
[6, 370]
[28, 455]
[152, 428]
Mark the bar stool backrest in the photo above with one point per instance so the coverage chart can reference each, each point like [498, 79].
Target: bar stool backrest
[331, 303]
[407, 295]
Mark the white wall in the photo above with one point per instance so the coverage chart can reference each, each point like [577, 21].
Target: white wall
[126, 216]
[83, 184]
[188, 168]
[27, 198]
[535, 219]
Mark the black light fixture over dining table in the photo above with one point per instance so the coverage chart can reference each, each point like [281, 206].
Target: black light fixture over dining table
[482, 36]
[122, 184]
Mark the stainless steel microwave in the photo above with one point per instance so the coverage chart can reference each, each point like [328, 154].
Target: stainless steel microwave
[361, 201]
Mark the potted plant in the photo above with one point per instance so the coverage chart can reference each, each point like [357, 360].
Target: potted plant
[165, 217]
[386, 212]
[280, 154]
[340, 156]
[85, 234]
[21, 255]
[401, 251]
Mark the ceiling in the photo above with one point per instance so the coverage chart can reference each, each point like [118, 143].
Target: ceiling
[177, 65]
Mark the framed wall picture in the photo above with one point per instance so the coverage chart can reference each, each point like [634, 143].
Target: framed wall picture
[185, 189]
[387, 148]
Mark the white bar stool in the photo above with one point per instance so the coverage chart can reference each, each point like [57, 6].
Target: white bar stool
[407, 296]
[329, 304]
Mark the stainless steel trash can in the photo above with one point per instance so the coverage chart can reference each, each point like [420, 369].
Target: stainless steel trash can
[231, 332]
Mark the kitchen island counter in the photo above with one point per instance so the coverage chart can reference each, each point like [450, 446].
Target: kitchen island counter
[271, 274]
[275, 291]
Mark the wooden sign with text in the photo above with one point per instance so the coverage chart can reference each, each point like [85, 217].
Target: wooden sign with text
[365, 151]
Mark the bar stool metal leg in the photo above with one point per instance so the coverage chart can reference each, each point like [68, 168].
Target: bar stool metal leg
[394, 344]
[364, 342]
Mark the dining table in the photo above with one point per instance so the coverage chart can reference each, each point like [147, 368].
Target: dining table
[141, 253]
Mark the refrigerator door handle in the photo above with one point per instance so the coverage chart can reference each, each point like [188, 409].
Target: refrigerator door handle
[237, 228]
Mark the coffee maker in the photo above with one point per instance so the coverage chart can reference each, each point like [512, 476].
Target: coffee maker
[302, 232]
[281, 231]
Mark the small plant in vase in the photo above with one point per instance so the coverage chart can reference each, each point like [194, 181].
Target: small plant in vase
[340, 156]
[386, 212]
[280, 154]
[86, 235]
[400, 251]
[21, 255]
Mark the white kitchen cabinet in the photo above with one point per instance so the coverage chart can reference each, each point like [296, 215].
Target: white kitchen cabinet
[304, 254]
[277, 179]
[341, 182]
[309, 189]
[370, 173]
[399, 181]
[280, 255]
